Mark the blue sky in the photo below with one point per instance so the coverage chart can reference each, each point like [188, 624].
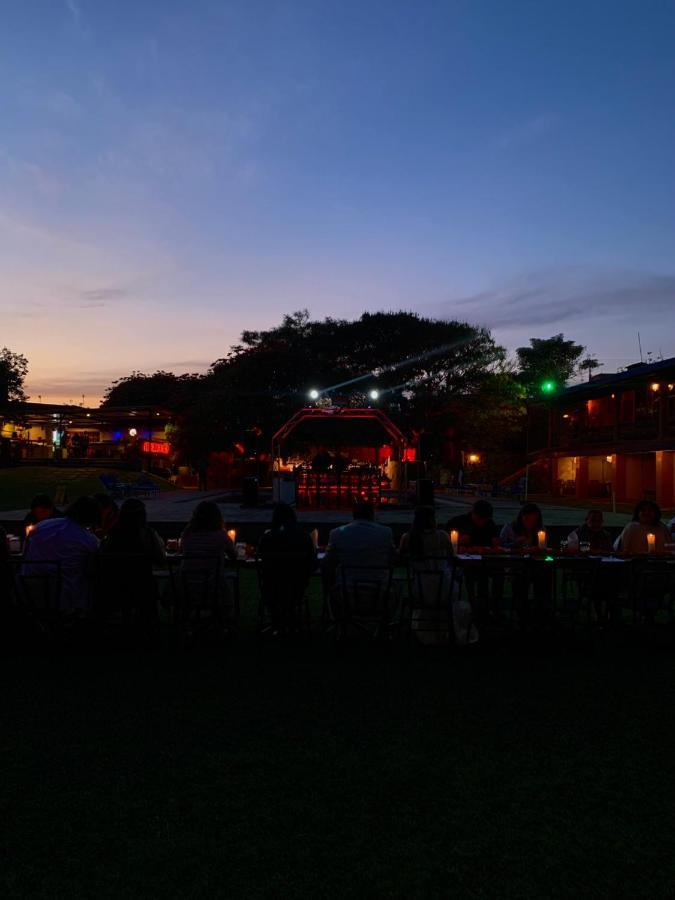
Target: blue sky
[173, 172]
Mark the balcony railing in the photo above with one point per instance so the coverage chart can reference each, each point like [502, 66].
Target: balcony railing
[638, 431]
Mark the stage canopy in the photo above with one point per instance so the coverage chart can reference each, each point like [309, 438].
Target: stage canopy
[338, 427]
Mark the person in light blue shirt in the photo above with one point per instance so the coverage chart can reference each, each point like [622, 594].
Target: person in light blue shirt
[363, 542]
[68, 544]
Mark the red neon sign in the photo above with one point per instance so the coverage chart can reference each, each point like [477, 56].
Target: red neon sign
[156, 448]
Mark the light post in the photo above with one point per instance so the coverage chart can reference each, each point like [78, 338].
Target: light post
[547, 388]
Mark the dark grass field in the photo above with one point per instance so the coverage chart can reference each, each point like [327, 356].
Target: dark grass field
[257, 770]
[19, 485]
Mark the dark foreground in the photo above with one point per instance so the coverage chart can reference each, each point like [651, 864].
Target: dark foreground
[258, 771]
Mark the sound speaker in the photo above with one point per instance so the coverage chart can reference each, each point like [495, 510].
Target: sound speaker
[425, 492]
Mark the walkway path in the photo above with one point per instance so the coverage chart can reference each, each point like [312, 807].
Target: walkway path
[177, 506]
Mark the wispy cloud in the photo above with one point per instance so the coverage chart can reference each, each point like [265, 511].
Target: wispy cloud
[97, 297]
[75, 11]
[526, 133]
[192, 364]
[561, 295]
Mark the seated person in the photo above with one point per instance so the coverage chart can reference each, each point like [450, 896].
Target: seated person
[427, 549]
[646, 520]
[363, 542]
[41, 508]
[5, 572]
[522, 534]
[206, 548]
[476, 528]
[109, 514]
[205, 533]
[131, 534]
[425, 543]
[69, 541]
[591, 532]
[287, 559]
[130, 550]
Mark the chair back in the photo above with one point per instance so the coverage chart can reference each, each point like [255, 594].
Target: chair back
[366, 592]
[430, 582]
[282, 573]
[204, 583]
[123, 581]
[585, 570]
[654, 581]
[282, 582]
[38, 586]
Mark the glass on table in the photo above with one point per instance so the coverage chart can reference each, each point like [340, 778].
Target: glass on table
[564, 545]
[584, 546]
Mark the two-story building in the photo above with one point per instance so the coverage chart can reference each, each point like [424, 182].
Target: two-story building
[613, 435]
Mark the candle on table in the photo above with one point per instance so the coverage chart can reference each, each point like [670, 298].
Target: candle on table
[651, 542]
[541, 540]
[232, 534]
[454, 540]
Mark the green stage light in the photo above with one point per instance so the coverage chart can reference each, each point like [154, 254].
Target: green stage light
[547, 387]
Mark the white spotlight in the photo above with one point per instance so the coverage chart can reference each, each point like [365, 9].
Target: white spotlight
[314, 394]
[374, 394]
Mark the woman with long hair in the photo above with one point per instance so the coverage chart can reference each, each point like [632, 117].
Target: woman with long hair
[286, 559]
[522, 532]
[207, 549]
[205, 533]
[131, 534]
[424, 540]
[646, 520]
[128, 553]
[437, 607]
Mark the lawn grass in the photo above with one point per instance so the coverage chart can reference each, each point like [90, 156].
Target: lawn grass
[257, 770]
[18, 485]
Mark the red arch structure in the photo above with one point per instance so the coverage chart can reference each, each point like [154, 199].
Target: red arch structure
[350, 421]
[366, 436]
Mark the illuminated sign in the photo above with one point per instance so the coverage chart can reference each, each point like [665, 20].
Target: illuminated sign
[156, 448]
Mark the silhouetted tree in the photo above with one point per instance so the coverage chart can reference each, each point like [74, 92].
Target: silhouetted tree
[588, 364]
[159, 389]
[13, 371]
[547, 359]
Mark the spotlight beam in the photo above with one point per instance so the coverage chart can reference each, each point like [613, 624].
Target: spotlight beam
[429, 354]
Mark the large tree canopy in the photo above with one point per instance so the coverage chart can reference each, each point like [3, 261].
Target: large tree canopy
[414, 362]
[422, 367]
[138, 389]
[13, 371]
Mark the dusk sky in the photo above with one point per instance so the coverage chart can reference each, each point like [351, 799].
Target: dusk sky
[174, 172]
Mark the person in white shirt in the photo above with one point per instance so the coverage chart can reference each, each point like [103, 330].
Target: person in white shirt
[70, 542]
[363, 542]
[646, 520]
